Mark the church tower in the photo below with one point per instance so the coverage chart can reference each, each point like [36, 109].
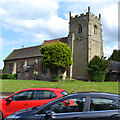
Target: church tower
[85, 41]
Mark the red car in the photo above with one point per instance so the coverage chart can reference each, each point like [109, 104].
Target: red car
[29, 98]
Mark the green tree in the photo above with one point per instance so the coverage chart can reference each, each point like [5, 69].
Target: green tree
[115, 56]
[56, 56]
[97, 68]
[0, 71]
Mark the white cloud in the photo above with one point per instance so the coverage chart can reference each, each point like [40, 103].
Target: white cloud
[2, 12]
[110, 15]
[108, 50]
[110, 23]
[39, 38]
[34, 17]
[57, 25]
[31, 9]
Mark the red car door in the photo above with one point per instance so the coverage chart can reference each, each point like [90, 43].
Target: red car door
[17, 102]
[42, 97]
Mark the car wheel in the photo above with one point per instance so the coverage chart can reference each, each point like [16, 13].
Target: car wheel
[0, 115]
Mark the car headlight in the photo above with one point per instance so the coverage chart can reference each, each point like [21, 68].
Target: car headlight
[12, 117]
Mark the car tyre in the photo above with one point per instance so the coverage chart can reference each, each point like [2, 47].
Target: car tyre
[1, 116]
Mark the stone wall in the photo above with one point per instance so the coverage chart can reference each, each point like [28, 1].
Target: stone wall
[95, 42]
[27, 69]
[13, 66]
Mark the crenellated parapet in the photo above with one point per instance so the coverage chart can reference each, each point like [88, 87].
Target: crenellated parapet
[87, 16]
[77, 17]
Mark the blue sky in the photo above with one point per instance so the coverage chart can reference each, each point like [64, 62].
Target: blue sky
[29, 22]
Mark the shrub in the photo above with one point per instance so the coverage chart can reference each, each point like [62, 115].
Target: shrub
[71, 80]
[61, 77]
[15, 75]
[9, 76]
[68, 79]
[57, 78]
[98, 77]
[97, 68]
[5, 76]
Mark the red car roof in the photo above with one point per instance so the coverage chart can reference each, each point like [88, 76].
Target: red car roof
[51, 89]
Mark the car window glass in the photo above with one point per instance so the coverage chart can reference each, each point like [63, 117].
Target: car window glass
[98, 104]
[68, 105]
[25, 95]
[44, 94]
[64, 93]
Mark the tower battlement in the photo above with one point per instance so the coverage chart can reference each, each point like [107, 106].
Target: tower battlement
[88, 15]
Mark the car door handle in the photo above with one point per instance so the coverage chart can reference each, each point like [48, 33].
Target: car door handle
[26, 104]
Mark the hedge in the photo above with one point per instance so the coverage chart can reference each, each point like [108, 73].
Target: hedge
[9, 76]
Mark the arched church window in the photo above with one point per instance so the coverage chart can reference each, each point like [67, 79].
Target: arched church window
[80, 29]
[95, 29]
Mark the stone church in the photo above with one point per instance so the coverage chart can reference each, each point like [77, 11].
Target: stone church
[84, 39]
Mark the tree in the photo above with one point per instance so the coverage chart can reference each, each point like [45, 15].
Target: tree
[0, 73]
[56, 56]
[115, 56]
[97, 68]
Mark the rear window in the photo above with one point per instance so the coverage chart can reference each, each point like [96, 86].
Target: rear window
[98, 104]
[64, 93]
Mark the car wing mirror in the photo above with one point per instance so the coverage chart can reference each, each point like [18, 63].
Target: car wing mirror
[48, 114]
[9, 100]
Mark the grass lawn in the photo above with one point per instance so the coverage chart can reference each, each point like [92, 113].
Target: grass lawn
[75, 86]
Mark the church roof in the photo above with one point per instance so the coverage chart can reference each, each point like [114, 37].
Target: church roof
[31, 51]
[24, 53]
[63, 40]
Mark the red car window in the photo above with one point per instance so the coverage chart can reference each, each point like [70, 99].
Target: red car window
[25, 95]
[43, 94]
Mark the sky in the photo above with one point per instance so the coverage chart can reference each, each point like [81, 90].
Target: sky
[30, 22]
